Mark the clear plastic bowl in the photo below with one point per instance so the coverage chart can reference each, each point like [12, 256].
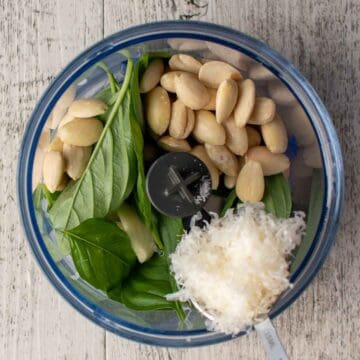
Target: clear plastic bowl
[314, 150]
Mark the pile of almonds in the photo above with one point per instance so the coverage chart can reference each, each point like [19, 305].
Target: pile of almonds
[207, 108]
[69, 152]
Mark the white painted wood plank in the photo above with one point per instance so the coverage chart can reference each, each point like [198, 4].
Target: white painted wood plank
[37, 38]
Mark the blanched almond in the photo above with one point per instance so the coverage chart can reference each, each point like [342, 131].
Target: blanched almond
[200, 152]
[158, 109]
[298, 124]
[264, 111]
[241, 160]
[38, 167]
[168, 143]
[211, 105]
[86, 108]
[191, 91]
[245, 103]
[182, 120]
[250, 184]
[186, 44]
[151, 76]
[44, 139]
[231, 56]
[226, 98]
[271, 163]
[66, 119]
[207, 130]
[213, 73]
[258, 72]
[184, 62]
[229, 181]
[236, 137]
[280, 93]
[76, 158]
[190, 122]
[56, 145]
[224, 160]
[254, 137]
[275, 136]
[63, 183]
[167, 80]
[205, 60]
[81, 132]
[62, 105]
[178, 119]
[53, 170]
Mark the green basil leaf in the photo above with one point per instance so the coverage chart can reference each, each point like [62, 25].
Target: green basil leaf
[109, 175]
[277, 196]
[109, 98]
[136, 102]
[142, 201]
[146, 287]
[229, 202]
[41, 206]
[50, 197]
[148, 283]
[101, 252]
[114, 85]
[42, 193]
[110, 93]
[171, 230]
[38, 195]
[313, 218]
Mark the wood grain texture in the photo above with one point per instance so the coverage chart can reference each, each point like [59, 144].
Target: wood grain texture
[37, 38]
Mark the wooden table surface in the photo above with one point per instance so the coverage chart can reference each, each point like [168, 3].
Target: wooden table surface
[37, 38]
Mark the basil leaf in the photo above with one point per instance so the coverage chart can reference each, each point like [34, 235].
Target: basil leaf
[109, 175]
[229, 202]
[38, 196]
[114, 85]
[142, 201]
[41, 206]
[313, 218]
[277, 196]
[101, 252]
[150, 282]
[109, 98]
[136, 102]
[109, 94]
[146, 287]
[42, 193]
[171, 230]
[50, 197]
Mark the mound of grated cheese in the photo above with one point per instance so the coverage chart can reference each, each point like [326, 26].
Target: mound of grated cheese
[237, 266]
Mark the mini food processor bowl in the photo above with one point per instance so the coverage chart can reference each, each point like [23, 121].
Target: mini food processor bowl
[311, 133]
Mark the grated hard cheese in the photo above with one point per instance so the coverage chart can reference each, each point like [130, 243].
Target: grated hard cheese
[237, 266]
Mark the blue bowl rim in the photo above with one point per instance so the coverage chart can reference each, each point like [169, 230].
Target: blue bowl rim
[131, 36]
